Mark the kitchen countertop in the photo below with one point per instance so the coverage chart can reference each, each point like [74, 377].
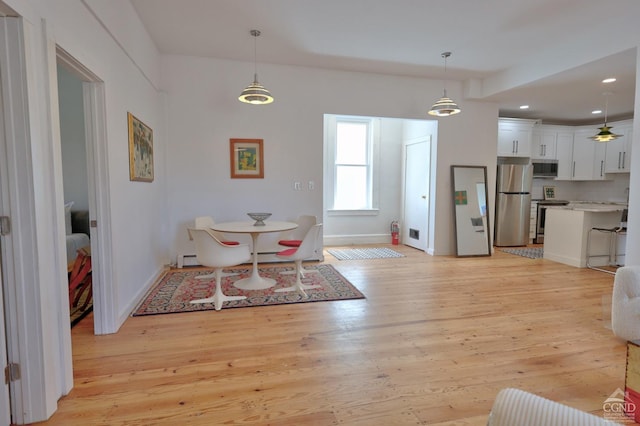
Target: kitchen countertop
[592, 206]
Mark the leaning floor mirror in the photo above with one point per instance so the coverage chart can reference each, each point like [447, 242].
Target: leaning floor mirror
[471, 216]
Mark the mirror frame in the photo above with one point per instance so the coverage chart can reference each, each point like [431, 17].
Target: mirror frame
[458, 226]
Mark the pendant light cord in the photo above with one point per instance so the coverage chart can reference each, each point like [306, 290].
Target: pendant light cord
[444, 83]
[255, 54]
[445, 55]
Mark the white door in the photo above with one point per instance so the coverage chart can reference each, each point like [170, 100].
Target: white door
[5, 410]
[417, 171]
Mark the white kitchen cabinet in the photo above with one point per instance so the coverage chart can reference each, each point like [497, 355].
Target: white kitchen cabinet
[514, 137]
[578, 156]
[564, 154]
[543, 144]
[618, 158]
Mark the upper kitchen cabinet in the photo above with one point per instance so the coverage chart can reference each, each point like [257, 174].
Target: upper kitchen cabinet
[514, 137]
[579, 157]
[618, 159]
[545, 139]
[543, 145]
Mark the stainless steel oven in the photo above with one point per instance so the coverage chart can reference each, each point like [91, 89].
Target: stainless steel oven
[541, 215]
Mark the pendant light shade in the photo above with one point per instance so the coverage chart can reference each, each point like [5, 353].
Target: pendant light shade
[605, 134]
[255, 93]
[444, 107]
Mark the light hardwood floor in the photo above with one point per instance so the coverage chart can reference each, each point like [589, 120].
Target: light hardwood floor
[433, 342]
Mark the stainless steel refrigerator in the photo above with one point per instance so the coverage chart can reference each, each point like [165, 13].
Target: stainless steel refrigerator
[513, 204]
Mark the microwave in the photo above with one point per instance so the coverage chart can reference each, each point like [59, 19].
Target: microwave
[545, 168]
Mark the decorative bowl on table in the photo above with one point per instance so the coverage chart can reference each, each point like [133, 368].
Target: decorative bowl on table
[259, 218]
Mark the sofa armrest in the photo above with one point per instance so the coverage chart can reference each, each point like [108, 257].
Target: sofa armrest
[517, 407]
[625, 303]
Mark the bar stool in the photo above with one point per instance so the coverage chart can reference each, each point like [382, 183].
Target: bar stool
[613, 244]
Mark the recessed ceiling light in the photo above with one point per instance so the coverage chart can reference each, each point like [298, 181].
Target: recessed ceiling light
[609, 80]
[524, 106]
[596, 111]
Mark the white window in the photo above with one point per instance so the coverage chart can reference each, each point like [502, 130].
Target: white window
[352, 165]
[352, 144]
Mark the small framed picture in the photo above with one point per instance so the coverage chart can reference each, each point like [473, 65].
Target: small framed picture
[140, 150]
[549, 192]
[247, 159]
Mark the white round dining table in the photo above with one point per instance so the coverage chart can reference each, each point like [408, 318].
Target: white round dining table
[255, 281]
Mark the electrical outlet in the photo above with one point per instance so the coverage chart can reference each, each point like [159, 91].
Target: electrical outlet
[312, 185]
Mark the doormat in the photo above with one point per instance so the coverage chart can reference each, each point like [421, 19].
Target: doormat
[530, 252]
[363, 253]
[178, 287]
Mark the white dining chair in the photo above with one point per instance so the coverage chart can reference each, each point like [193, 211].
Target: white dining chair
[208, 222]
[297, 255]
[294, 238]
[213, 253]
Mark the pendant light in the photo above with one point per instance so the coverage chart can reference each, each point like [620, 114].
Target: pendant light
[444, 107]
[255, 93]
[605, 134]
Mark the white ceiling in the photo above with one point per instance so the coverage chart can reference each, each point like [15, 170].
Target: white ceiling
[550, 54]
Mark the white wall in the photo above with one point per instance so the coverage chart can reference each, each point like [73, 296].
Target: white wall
[633, 235]
[137, 210]
[204, 113]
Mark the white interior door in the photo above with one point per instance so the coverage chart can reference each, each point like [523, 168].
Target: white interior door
[417, 169]
[5, 410]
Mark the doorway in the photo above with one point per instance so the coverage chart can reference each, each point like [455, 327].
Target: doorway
[390, 181]
[417, 179]
[95, 170]
[75, 186]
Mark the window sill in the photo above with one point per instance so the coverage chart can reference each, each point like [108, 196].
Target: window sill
[363, 212]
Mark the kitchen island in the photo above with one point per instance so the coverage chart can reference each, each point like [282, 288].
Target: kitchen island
[567, 228]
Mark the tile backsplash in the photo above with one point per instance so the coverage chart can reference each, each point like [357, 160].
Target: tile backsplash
[614, 189]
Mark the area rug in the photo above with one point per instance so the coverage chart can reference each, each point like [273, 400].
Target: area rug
[178, 287]
[363, 253]
[83, 308]
[530, 252]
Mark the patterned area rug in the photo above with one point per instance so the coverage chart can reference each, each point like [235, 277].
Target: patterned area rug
[363, 253]
[530, 252]
[178, 287]
[83, 308]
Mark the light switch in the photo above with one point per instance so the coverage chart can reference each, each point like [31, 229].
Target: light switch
[297, 186]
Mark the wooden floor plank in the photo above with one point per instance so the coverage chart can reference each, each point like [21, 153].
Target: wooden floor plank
[433, 342]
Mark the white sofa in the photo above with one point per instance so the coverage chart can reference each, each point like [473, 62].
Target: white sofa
[515, 407]
[625, 303]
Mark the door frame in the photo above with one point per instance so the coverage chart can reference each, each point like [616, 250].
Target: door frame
[5, 397]
[23, 308]
[105, 317]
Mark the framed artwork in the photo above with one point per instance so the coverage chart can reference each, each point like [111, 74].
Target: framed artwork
[549, 192]
[140, 150]
[247, 159]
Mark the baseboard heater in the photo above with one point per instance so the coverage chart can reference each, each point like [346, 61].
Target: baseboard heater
[191, 260]
[187, 260]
